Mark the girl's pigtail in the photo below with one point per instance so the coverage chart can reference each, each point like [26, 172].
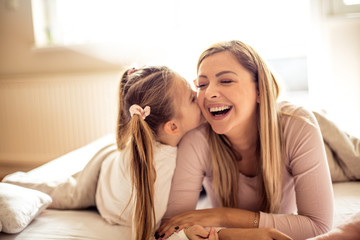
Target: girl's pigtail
[143, 176]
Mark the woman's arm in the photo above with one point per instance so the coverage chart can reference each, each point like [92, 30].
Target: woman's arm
[214, 217]
[312, 183]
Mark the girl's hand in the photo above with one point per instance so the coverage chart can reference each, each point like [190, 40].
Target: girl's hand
[197, 232]
[252, 234]
[213, 235]
[204, 217]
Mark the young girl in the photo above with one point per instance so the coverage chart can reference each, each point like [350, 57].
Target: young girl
[156, 108]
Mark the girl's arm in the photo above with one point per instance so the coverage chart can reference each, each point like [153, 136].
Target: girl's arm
[189, 173]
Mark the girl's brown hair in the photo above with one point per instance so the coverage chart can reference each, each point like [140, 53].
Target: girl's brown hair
[149, 86]
[271, 144]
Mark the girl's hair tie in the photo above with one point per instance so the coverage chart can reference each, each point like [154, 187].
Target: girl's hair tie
[136, 109]
[131, 71]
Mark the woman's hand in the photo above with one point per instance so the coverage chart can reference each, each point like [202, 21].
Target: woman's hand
[252, 234]
[204, 217]
[197, 232]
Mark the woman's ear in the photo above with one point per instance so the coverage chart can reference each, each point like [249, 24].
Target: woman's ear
[171, 128]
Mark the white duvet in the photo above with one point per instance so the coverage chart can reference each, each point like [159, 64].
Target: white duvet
[70, 180]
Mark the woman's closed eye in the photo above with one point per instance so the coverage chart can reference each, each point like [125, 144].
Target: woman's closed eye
[201, 85]
[226, 81]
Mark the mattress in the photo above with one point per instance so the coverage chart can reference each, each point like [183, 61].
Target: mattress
[88, 224]
[70, 224]
[347, 200]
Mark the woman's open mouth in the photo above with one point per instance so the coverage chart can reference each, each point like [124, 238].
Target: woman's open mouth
[219, 112]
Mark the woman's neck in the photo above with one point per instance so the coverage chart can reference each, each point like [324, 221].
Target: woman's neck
[244, 140]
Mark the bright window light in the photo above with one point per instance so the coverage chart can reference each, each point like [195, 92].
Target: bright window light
[351, 2]
[173, 32]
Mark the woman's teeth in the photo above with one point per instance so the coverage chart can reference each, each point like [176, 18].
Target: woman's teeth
[216, 111]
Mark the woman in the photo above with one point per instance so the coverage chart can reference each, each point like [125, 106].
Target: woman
[262, 163]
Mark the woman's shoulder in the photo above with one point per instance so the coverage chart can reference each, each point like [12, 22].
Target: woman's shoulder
[193, 151]
[195, 142]
[300, 128]
[292, 113]
[196, 136]
[199, 132]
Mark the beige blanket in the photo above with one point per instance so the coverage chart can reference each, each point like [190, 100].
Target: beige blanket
[342, 150]
[70, 191]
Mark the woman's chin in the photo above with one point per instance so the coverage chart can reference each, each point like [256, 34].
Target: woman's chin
[219, 129]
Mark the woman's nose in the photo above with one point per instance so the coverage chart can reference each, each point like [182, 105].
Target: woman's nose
[212, 91]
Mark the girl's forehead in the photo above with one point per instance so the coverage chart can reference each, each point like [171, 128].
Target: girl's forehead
[182, 88]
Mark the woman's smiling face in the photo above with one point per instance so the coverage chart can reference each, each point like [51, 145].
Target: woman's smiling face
[227, 93]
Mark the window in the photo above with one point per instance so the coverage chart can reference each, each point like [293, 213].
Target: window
[174, 32]
[348, 8]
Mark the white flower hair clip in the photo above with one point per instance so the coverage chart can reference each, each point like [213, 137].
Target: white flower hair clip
[136, 109]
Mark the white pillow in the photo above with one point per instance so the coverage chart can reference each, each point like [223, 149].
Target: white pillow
[19, 206]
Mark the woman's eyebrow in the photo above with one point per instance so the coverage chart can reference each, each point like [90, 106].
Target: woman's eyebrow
[219, 74]
[202, 76]
[224, 72]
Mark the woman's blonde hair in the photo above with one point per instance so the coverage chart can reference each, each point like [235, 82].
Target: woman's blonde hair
[153, 87]
[271, 146]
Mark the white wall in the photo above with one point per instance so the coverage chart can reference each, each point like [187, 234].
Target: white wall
[51, 101]
[334, 66]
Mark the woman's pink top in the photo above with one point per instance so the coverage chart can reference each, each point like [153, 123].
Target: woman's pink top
[307, 197]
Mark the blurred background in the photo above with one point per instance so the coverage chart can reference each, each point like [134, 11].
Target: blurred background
[61, 60]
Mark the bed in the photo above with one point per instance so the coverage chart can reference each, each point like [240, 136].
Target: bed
[56, 200]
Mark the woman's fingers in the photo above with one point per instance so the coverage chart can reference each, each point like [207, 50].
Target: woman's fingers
[204, 217]
[169, 230]
[165, 230]
[171, 223]
[176, 223]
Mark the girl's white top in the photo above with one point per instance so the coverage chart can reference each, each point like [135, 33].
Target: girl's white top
[114, 187]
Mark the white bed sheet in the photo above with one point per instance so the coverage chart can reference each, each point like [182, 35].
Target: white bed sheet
[347, 200]
[70, 224]
[88, 224]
